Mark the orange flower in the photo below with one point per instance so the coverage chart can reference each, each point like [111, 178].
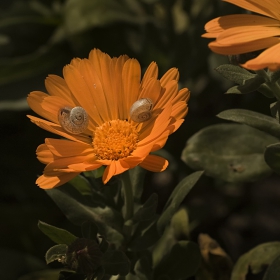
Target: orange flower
[238, 34]
[106, 88]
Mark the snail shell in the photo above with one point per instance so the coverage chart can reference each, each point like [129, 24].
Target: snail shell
[73, 120]
[141, 110]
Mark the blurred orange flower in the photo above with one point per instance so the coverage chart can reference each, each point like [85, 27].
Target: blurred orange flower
[243, 33]
[106, 88]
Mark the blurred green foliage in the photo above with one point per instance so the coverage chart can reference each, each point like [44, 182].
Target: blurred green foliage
[38, 37]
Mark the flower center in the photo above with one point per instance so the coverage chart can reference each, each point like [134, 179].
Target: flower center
[114, 140]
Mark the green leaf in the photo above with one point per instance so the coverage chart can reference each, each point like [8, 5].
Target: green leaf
[180, 224]
[144, 266]
[80, 15]
[273, 271]
[272, 157]
[19, 68]
[147, 210]
[253, 119]
[275, 109]
[82, 185]
[89, 230]
[255, 259]
[176, 198]
[137, 177]
[229, 152]
[182, 261]
[46, 274]
[234, 90]
[235, 73]
[266, 91]
[56, 253]
[249, 85]
[116, 262]
[57, 235]
[76, 209]
[145, 235]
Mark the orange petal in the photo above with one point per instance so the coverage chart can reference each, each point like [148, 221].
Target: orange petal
[131, 76]
[66, 148]
[44, 155]
[64, 163]
[56, 86]
[118, 91]
[151, 72]
[103, 68]
[154, 163]
[183, 95]
[268, 58]
[243, 47]
[156, 128]
[160, 142]
[268, 8]
[151, 90]
[179, 110]
[35, 100]
[109, 172]
[81, 167]
[215, 26]
[83, 93]
[171, 90]
[49, 182]
[171, 74]
[174, 126]
[243, 34]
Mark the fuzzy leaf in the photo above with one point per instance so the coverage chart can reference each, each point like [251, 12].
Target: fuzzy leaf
[273, 271]
[230, 152]
[255, 259]
[254, 119]
[56, 253]
[234, 73]
[272, 157]
[57, 235]
[176, 198]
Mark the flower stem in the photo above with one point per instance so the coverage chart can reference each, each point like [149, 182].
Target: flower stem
[128, 195]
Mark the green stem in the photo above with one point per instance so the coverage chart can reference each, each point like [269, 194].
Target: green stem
[128, 195]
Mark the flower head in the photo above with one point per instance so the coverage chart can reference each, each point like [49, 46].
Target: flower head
[244, 33]
[105, 89]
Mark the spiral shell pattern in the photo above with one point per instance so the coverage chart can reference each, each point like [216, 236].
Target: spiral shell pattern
[141, 110]
[73, 120]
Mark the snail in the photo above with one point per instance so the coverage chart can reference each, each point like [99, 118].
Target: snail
[141, 110]
[73, 120]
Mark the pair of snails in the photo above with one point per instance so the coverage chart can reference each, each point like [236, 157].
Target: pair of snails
[75, 120]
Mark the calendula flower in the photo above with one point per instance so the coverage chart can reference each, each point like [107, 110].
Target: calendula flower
[104, 90]
[244, 33]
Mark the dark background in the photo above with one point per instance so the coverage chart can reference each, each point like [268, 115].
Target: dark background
[39, 37]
